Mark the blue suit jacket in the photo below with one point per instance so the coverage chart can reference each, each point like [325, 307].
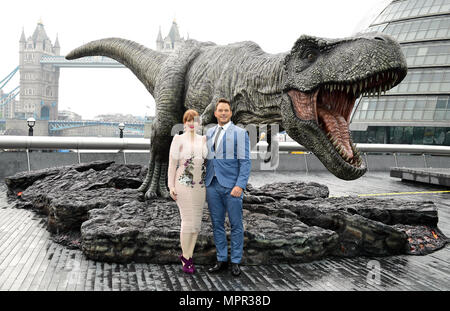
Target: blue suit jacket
[231, 162]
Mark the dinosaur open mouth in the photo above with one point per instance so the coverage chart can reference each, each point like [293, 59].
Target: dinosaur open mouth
[331, 104]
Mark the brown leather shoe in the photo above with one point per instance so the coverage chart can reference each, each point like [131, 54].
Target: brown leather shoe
[219, 266]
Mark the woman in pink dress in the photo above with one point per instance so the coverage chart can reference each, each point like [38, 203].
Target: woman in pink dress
[186, 175]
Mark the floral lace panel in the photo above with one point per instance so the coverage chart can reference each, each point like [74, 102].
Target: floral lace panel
[187, 178]
[202, 179]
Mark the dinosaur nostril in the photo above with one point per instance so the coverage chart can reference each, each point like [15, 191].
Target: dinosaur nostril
[379, 38]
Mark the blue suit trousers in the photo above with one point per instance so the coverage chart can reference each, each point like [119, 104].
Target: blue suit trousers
[220, 201]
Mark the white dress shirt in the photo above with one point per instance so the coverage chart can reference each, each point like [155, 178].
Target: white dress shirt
[225, 127]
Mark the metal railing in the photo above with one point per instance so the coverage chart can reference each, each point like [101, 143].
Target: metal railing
[75, 143]
[107, 143]
[129, 144]
[387, 148]
[53, 142]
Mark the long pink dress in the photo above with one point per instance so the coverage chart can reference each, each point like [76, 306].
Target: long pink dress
[186, 173]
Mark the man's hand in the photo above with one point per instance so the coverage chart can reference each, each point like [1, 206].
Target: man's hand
[237, 191]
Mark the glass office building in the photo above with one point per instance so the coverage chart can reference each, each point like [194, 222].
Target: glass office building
[417, 111]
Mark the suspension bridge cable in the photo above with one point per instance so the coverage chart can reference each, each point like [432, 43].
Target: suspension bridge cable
[9, 77]
[9, 96]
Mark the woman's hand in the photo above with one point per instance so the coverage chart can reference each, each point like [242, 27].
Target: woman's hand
[173, 194]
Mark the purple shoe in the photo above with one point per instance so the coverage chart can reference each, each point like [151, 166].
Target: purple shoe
[188, 266]
[191, 260]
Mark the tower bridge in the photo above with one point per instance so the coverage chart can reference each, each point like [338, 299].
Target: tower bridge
[76, 128]
[85, 62]
[71, 128]
[39, 69]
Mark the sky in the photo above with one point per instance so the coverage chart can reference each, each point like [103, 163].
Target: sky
[275, 25]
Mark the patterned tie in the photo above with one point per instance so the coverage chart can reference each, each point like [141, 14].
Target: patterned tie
[217, 137]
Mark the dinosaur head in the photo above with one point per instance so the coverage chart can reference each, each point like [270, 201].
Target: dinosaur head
[323, 78]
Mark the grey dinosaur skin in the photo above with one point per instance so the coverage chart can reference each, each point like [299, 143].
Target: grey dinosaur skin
[262, 89]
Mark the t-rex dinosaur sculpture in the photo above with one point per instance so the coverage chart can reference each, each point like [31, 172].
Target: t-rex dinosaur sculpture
[309, 91]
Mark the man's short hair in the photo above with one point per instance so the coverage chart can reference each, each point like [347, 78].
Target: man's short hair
[222, 100]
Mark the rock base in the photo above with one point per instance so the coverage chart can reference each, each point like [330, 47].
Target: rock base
[96, 207]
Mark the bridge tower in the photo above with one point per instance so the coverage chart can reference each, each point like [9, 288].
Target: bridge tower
[38, 82]
[171, 41]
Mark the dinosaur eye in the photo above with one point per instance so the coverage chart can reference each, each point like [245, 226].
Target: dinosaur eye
[311, 56]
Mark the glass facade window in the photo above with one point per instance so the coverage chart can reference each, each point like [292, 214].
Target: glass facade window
[424, 81]
[403, 135]
[377, 28]
[405, 108]
[412, 8]
[420, 29]
[432, 54]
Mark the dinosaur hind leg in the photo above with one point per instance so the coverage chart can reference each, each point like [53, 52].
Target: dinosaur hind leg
[158, 183]
[155, 181]
[148, 177]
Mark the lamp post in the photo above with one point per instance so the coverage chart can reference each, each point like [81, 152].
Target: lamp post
[121, 127]
[31, 122]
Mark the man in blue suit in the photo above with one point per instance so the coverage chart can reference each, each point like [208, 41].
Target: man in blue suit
[227, 172]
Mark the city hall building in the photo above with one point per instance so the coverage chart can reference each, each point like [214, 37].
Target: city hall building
[417, 111]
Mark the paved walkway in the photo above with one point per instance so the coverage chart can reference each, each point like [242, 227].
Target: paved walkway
[29, 260]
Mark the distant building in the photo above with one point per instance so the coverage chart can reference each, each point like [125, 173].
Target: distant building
[417, 111]
[7, 105]
[38, 82]
[171, 41]
[118, 117]
[68, 115]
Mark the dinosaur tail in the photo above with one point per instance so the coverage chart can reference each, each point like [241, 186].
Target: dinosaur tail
[143, 62]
